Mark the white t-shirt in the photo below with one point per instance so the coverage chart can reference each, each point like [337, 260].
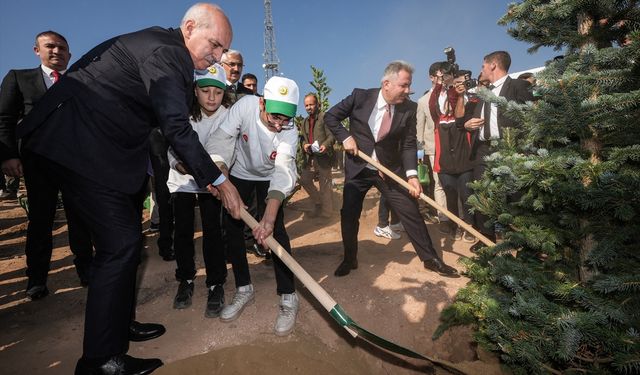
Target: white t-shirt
[252, 151]
[178, 182]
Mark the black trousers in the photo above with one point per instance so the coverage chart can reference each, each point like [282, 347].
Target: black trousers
[183, 243]
[455, 186]
[158, 147]
[42, 194]
[235, 238]
[383, 213]
[114, 220]
[399, 200]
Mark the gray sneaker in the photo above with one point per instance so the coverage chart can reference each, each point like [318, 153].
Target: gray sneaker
[386, 232]
[244, 296]
[286, 319]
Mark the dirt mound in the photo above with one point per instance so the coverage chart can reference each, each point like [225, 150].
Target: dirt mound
[390, 294]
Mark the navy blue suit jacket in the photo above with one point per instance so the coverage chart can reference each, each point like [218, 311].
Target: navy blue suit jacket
[397, 151]
[97, 118]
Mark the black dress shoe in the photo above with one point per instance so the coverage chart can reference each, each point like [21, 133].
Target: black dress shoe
[145, 331]
[436, 265]
[168, 255]
[35, 292]
[117, 365]
[345, 267]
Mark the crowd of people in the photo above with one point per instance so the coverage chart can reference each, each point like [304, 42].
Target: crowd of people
[173, 105]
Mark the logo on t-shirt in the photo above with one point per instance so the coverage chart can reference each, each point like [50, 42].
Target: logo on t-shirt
[245, 137]
[273, 155]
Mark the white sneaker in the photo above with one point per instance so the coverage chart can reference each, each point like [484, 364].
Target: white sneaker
[244, 296]
[286, 319]
[397, 227]
[386, 232]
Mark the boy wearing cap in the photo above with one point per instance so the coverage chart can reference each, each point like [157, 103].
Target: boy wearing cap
[259, 143]
[206, 116]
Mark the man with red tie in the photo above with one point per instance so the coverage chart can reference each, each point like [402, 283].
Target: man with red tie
[21, 90]
[382, 124]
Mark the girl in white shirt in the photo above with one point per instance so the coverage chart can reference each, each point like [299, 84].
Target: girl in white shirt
[206, 117]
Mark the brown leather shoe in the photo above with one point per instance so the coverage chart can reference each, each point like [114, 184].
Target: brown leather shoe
[345, 267]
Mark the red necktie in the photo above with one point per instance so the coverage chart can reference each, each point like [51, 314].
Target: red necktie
[56, 76]
[385, 126]
[312, 122]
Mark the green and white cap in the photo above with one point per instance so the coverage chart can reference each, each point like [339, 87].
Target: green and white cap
[212, 76]
[281, 96]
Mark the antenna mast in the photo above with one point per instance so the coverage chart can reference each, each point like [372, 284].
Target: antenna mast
[271, 61]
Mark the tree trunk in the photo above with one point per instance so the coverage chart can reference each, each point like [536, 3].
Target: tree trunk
[593, 146]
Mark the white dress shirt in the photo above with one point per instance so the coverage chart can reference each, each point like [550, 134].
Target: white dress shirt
[493, 121]
[375, 121]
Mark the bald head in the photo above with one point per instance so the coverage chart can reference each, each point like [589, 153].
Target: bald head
[207, 33]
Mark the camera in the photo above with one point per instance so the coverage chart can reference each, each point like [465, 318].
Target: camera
[451, 67]
[451, 59]
[469, 82]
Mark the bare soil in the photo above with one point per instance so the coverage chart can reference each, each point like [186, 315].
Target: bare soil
[391, 294]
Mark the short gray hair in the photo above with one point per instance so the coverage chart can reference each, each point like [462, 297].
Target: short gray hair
[200, 13]
[394, 68]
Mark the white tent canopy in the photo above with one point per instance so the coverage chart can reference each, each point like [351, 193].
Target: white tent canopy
[532, 70]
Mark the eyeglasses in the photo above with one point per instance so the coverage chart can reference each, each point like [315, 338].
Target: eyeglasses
[283, 121]
[233, 64]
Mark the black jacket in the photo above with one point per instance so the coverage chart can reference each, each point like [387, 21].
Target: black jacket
[96, 120]
[20, 91]
[512, 89]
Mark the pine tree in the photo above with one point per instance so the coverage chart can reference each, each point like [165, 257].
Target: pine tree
[561, 294]
[323, 90]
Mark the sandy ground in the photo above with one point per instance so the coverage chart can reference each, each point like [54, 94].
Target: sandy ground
[391, 294]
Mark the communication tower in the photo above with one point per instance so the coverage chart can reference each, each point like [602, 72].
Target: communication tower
[271, 61]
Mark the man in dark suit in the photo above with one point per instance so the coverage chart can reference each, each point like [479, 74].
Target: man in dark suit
[488, 120]
[21, 90]
[91, 131]
[382, 123]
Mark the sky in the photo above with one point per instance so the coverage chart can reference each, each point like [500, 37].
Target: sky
[351, 41]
